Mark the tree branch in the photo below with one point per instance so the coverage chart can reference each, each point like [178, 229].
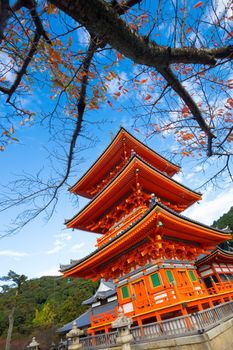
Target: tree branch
[27, 61]
[100, 18]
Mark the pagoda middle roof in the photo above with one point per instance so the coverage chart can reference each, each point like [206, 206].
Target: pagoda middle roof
[113, 154]
[152, 181]
[174, 227]
[217, 255]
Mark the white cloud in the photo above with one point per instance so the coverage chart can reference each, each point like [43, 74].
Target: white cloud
[54, 250]
[13, 254]
[54, 271]
[60, 243]
[64, 236]
[83, 36]
[77, 247]
[209, 210]
[179, 177]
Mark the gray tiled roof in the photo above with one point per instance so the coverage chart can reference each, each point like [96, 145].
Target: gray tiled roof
[84, 320]
[105, 290]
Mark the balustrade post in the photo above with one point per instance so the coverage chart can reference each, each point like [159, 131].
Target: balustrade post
[123, 323]
[33, 345]
[52, 346]
[73, 337]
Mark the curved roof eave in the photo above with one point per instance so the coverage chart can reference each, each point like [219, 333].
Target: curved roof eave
[137, 157]
[64, 268]
[72, 188]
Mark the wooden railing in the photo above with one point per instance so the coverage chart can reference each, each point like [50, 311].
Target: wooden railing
[195, 323]
[107, 316]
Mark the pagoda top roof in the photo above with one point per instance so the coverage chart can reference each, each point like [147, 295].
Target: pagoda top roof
[153, 181]
[217, 255]
[175, 226]
[113, 155]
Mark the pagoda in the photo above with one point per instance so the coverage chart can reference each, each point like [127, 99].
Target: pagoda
[147, 247]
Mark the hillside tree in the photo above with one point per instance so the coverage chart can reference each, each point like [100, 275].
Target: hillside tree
[16, 281]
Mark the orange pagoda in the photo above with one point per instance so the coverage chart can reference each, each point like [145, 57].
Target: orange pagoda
[147, 247]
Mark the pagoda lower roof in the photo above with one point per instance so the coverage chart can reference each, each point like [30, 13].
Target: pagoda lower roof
[122, 144]
[152, 181]
[217, 255]
[173, 226]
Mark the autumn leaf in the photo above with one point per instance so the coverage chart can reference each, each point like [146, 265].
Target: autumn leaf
[148, 97]
[230, 102]
[187, 136]
[189, 30]
[185, 111]
[109, 103]
[119, 55]
[143, 81]
[198, 4]
[52, 9]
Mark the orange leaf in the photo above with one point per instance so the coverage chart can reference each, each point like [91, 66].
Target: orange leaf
[119, 55]
[143, 81]
[148, 97]
[198, 4]
[189, 30]
[51, 9]
[230, 102]
[110, 103]
[185, 111]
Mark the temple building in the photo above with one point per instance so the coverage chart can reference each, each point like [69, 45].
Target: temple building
[216, 271]
[147, 247]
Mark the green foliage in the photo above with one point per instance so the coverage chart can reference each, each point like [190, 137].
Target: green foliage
[57, 301]
[45, 316]
[226, 220]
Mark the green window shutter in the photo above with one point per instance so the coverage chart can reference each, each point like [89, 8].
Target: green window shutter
[125, 292]
[155, 280]
[170, 276]
[192, 276]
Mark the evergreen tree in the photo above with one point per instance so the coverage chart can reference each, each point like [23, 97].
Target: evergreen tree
[226, 221]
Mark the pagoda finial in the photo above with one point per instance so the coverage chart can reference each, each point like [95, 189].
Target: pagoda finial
[153, 200]
[133, 153]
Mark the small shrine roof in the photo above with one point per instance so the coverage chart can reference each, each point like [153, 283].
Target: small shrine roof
[82, 321]
[174, 224]
[153, 181]
[105, 290]
[112, 156]
[217, 255]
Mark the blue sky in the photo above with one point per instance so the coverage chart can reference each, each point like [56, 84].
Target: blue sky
[41, 246]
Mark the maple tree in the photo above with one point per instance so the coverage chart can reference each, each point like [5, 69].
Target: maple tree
[180, 58]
